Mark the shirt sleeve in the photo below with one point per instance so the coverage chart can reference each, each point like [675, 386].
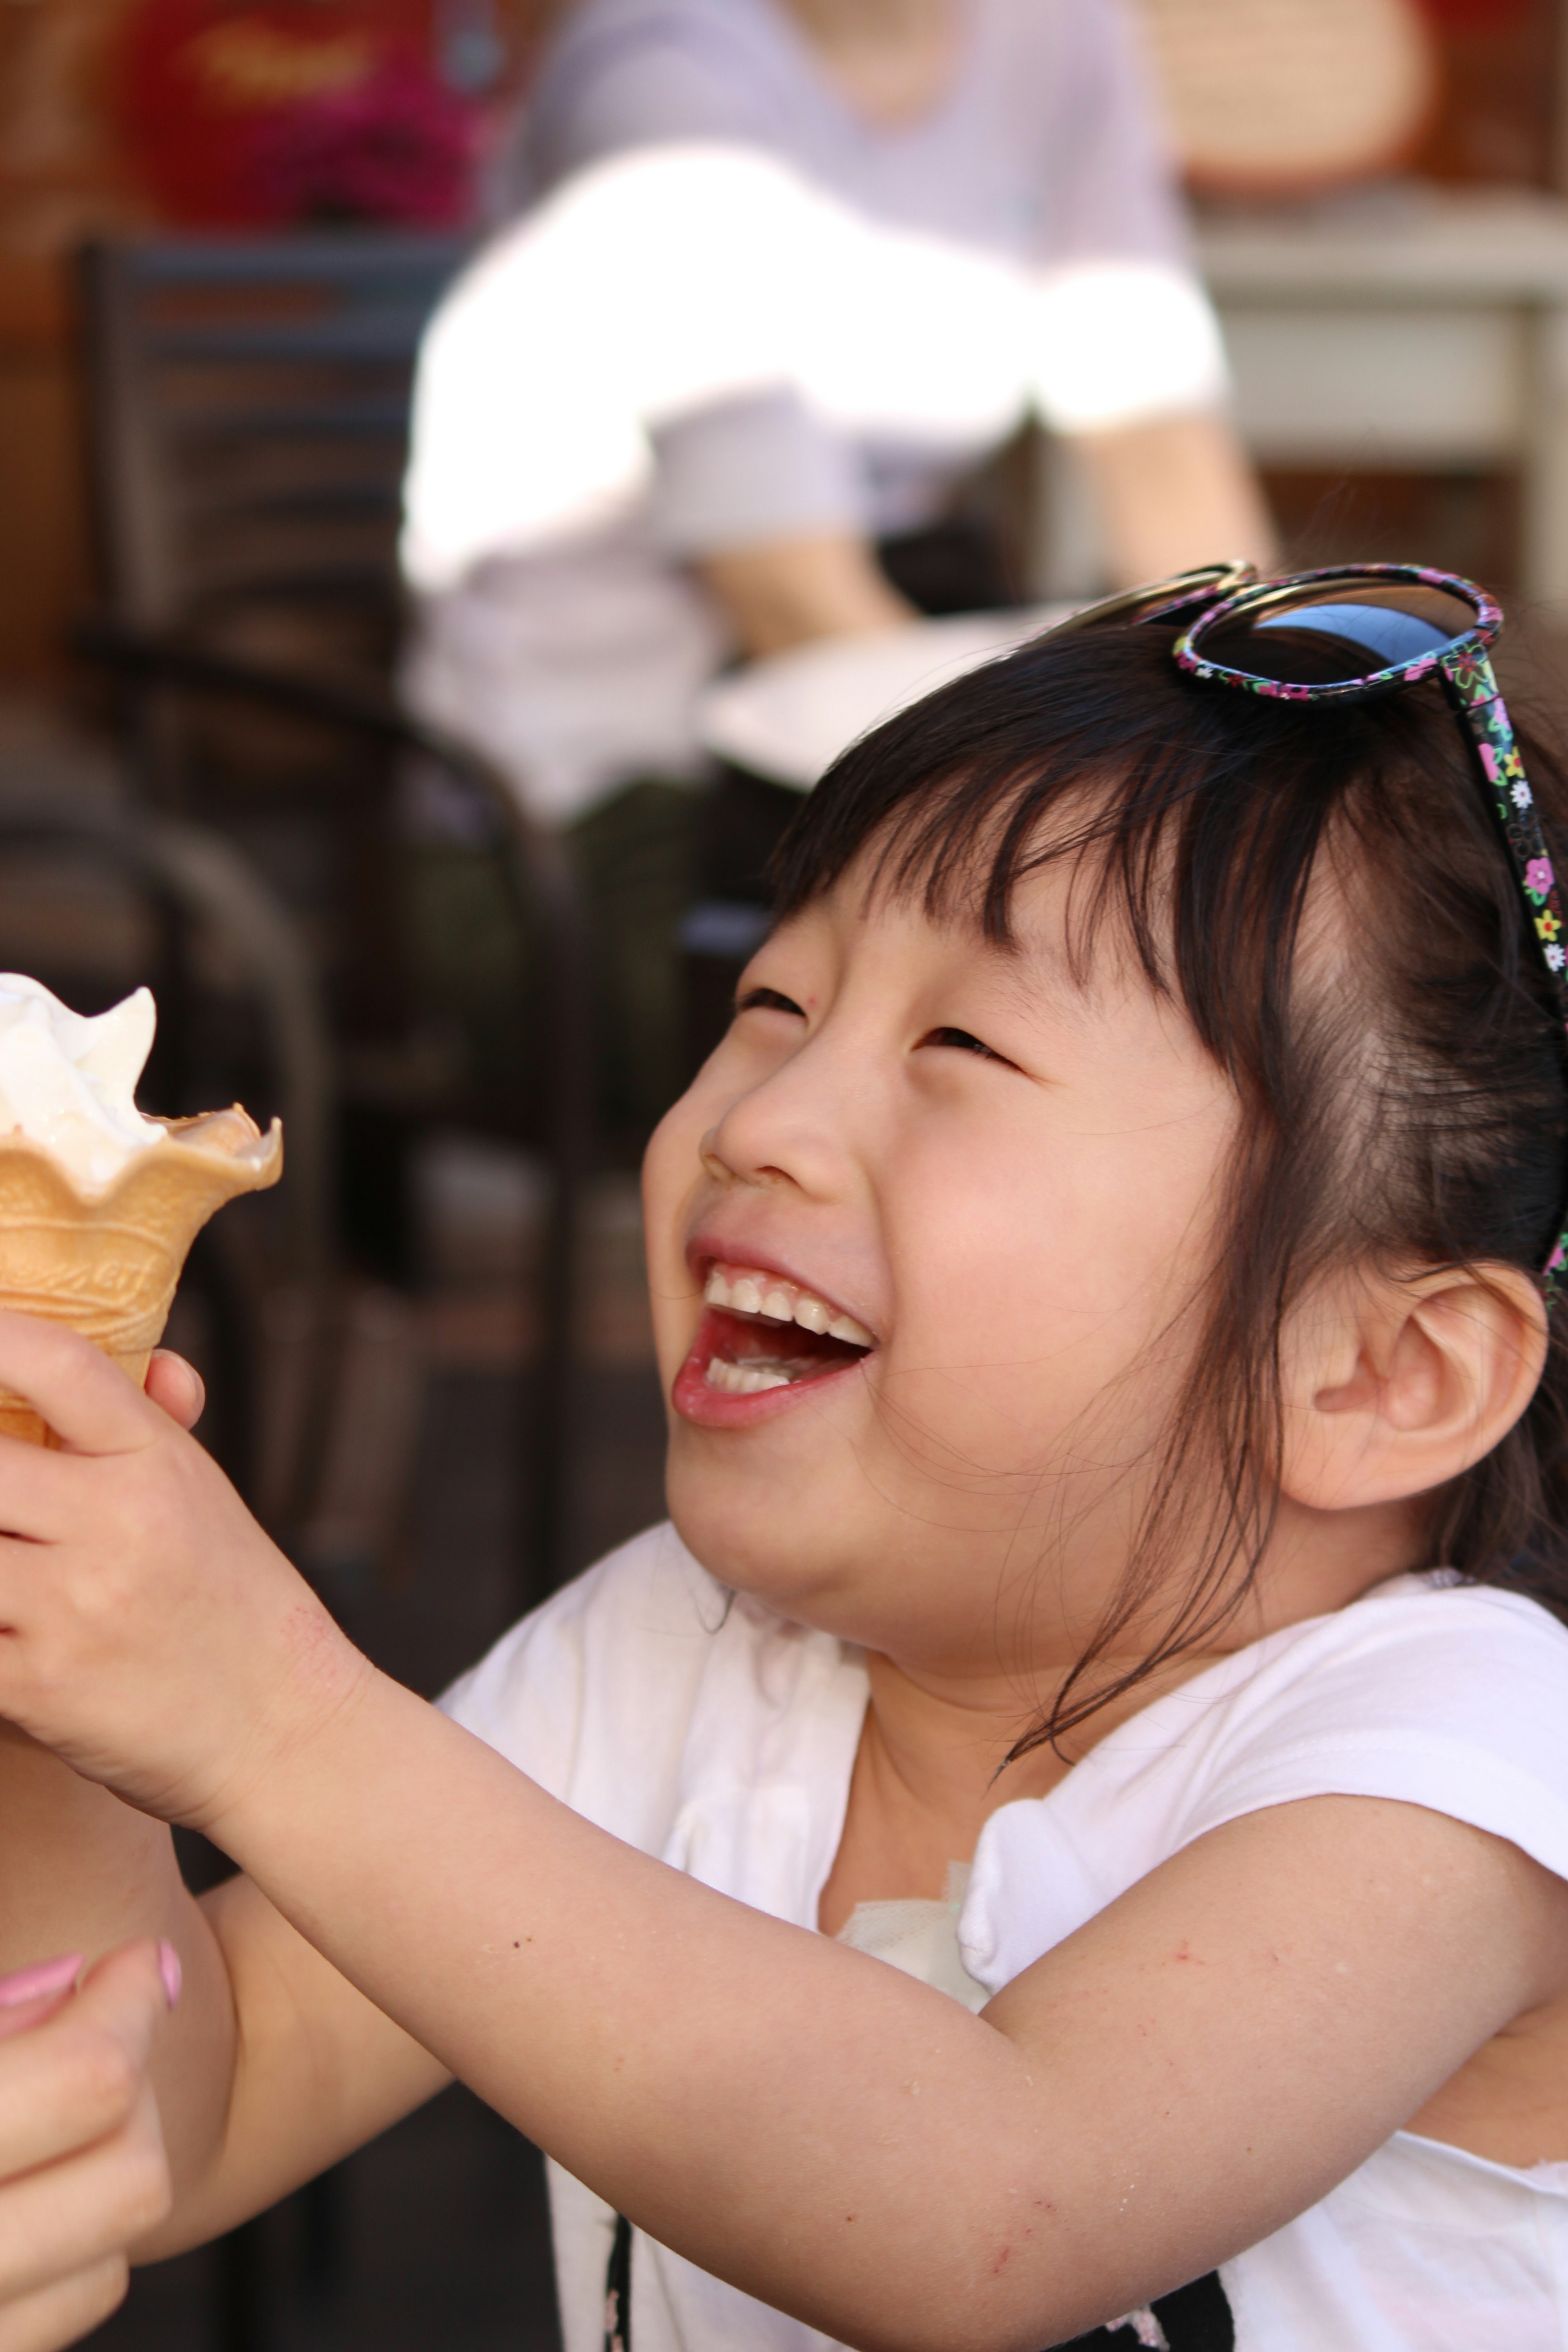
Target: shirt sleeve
[1128, 335]
[749, 470]
[1452, 1697]
[736, 473]
[608, 1668]
[1454, 1700]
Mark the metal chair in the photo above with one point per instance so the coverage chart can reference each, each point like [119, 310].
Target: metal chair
[248, 414]
[192, 884]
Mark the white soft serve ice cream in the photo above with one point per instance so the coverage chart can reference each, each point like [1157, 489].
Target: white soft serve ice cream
[69, 1082]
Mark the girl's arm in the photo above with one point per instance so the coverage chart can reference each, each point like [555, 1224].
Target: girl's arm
[788, 591]
[1200, 2062]
[83, 1872]
[1196, 2066]
[272, 2067]
[319, 2070]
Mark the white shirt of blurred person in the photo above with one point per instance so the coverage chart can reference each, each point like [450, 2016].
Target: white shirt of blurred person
[791, 269]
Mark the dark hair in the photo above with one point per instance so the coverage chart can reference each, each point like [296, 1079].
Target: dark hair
[1409, 1104]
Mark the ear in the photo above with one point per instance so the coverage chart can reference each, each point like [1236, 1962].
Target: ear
[1392, 1387]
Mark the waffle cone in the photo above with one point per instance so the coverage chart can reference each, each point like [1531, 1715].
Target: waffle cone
[107, 1262]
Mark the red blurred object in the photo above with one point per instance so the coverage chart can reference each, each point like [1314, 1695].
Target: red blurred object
[1476, 16]
[273, 113]
[1502, 62]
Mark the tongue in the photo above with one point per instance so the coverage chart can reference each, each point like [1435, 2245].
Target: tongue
[743, 1339]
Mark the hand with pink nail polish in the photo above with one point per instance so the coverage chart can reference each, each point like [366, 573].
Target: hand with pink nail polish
[82, 2169]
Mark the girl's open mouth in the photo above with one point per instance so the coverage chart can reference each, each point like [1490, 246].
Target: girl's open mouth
[761, 1335]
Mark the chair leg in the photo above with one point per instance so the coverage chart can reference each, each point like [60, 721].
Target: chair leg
[549, 1401]
[228, 1428]
[545, 891]
[208, 878]
[211, 881]
[240, 2315]
[323, 2232]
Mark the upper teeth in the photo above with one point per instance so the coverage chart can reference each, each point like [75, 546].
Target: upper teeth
[746, 1292]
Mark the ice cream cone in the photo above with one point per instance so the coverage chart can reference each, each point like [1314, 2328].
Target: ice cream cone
[107, 1261]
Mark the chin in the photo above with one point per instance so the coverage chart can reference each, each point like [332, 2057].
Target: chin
[751, 1534]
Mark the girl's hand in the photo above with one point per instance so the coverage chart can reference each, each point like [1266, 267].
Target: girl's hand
[150, 1632]
[82, 2169]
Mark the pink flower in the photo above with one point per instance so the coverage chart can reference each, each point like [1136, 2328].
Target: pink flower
[1539, 876]
[397, 147]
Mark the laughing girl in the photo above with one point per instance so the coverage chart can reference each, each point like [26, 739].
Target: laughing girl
[1063, 1836]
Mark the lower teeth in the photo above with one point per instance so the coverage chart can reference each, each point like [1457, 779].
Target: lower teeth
[745, 1380]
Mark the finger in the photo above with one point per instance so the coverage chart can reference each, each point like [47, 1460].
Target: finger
[66, 2312]
[41, 1494]
[76, 2078]
[36, 1484]
[86, 2209]
[23, 2018]
[177, 1387]
[29, 1997]
[87, 1401]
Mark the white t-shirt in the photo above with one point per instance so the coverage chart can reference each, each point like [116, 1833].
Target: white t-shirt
[697, 1725]
[737, 311]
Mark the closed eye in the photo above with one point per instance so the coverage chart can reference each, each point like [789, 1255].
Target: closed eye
[959, 1041]
[767, 1000]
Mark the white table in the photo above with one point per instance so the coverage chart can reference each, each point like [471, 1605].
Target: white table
[788, 718]
[1407, 326]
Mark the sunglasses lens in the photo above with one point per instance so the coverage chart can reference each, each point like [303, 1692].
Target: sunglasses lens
[1321, 635]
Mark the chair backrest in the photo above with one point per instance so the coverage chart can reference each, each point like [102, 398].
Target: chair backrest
[249, 407]
[249, 403]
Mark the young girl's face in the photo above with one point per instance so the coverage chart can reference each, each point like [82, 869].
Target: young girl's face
[997, 1182]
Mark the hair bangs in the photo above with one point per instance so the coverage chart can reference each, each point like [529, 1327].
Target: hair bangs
[1120, 767]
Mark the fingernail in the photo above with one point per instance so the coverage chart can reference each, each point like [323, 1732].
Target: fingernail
[169, 1968]
[34, 1984]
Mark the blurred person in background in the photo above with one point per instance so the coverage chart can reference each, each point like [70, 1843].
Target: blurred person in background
[787, 273]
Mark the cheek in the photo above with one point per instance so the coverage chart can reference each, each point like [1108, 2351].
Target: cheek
[672, 1170]
[1048, 1274]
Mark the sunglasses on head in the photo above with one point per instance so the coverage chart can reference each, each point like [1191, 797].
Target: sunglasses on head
[1349, 632]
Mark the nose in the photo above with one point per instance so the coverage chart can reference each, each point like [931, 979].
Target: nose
[794, 1127]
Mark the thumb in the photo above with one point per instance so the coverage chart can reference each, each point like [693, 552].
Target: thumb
[129, 1993]
[177, 1387]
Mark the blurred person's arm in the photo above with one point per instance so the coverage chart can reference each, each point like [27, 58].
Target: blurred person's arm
[766, 503]
[786, 591]
[1135, 375]
[1174, 491]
